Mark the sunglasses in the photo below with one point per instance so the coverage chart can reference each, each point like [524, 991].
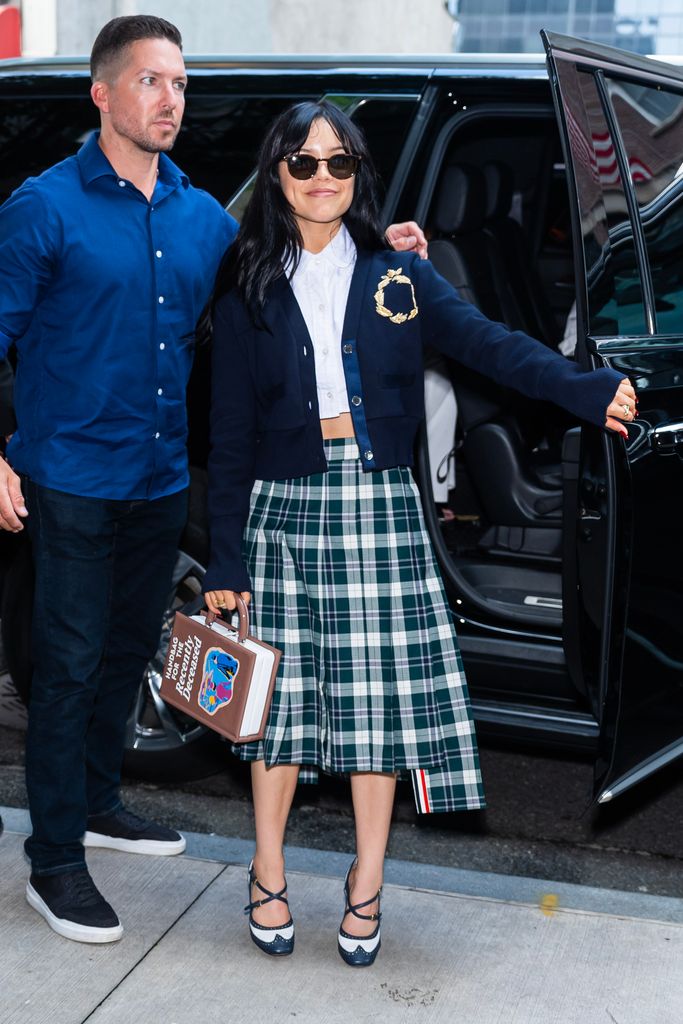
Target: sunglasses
[341, 166]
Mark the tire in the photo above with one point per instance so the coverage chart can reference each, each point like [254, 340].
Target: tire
[17, 613]
[162, 744]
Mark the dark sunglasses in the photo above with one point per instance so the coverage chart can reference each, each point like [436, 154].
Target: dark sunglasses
[302, 166]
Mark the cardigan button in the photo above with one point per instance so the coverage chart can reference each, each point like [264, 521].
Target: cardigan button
[368, 455]
[356, 400]
[347, 350]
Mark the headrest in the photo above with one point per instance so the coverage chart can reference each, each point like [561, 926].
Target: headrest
[499, 188]
[460, 200]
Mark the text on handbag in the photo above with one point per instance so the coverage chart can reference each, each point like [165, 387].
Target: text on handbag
[182, 663]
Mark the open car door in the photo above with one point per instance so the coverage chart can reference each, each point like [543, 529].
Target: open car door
[621, 119]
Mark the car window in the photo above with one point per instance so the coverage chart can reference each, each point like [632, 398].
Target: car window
[385, 121]
[615, 296]
[651, 126]
[36, 132]
[220, 138]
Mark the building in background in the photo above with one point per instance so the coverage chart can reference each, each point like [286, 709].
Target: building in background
[512, 26]
[250, 26]
[360, 26]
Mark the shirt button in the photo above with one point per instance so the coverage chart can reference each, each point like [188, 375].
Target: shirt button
[157, 435]
[160, 391]
[368, 455]
[325, 351]
[122, 184]
[161, 298]
[356, 400]
[321, 308]
[348, 349]
[162, 346]
[329, 394]
[159, 254]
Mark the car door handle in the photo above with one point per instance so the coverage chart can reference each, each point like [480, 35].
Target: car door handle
[667, 439]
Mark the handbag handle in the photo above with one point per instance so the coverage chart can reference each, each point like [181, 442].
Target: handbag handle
[243, 627]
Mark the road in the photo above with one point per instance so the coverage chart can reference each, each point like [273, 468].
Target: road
[539, 821]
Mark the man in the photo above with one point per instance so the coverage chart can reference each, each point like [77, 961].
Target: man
[108, 259]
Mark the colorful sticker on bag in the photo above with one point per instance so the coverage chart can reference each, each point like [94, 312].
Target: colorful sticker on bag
[220, 669]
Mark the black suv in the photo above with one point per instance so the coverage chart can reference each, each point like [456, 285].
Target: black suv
[545, 191]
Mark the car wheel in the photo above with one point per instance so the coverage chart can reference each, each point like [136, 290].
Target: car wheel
[16, 613]
[162, 745]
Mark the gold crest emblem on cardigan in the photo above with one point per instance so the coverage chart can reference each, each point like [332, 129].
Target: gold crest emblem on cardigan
[394, 277]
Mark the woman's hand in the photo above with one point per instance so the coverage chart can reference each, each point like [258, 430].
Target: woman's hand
[622, 409]
[220, 600]
[407, 237]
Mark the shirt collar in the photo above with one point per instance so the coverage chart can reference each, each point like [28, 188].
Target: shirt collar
[94, 164]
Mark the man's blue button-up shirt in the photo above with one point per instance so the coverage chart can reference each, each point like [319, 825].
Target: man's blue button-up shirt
[101, 290]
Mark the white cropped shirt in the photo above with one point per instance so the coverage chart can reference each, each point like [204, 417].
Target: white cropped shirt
[321, 285]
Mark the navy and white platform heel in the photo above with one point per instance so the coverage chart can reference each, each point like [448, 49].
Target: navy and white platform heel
[278, 941]
[356, 950]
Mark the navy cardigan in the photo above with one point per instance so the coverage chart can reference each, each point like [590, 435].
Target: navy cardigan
[265, 423]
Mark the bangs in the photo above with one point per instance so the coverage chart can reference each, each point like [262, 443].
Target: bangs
[296, 127]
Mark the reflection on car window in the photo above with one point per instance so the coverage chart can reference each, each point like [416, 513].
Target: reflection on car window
[651, 126]
[615, 298]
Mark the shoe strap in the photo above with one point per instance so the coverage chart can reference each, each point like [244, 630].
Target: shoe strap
[353, 908]
[270, 896]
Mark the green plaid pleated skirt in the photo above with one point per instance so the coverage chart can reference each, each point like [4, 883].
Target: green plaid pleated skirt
[345, 583]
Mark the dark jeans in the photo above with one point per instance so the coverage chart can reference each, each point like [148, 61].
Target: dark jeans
[103, 577]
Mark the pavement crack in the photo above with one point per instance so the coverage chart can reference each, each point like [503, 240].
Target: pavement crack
[154, 945]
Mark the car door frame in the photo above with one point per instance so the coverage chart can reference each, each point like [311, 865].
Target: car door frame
[609, 509]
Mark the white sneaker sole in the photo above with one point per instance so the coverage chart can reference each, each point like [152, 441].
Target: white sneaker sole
[150, 847]
[70, 929]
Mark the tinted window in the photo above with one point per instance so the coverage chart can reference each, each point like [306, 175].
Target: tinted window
[385, 121]
[615, 299]
[651, 126]
[37, 132]
[220, 138]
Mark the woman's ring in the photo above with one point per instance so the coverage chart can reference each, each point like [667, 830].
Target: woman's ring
[627, 409]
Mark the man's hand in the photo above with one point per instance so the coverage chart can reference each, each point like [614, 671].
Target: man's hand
[407, 237]
[11, 500]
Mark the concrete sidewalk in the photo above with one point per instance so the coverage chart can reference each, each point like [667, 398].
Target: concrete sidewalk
[457, 946]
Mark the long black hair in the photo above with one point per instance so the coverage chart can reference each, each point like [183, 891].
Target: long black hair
[269, 237]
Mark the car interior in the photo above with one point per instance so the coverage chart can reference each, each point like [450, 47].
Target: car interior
[499, 230]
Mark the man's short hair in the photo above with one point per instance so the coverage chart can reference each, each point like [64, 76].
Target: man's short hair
[119, 33]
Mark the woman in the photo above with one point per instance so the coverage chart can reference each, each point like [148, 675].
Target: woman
[317, 393]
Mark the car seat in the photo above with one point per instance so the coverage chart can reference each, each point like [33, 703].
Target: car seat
[515, 490]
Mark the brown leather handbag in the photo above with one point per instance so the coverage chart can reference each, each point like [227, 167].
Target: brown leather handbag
[220, 675]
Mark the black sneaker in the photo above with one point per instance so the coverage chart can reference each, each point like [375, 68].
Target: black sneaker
[73, 906]
[128, 832]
